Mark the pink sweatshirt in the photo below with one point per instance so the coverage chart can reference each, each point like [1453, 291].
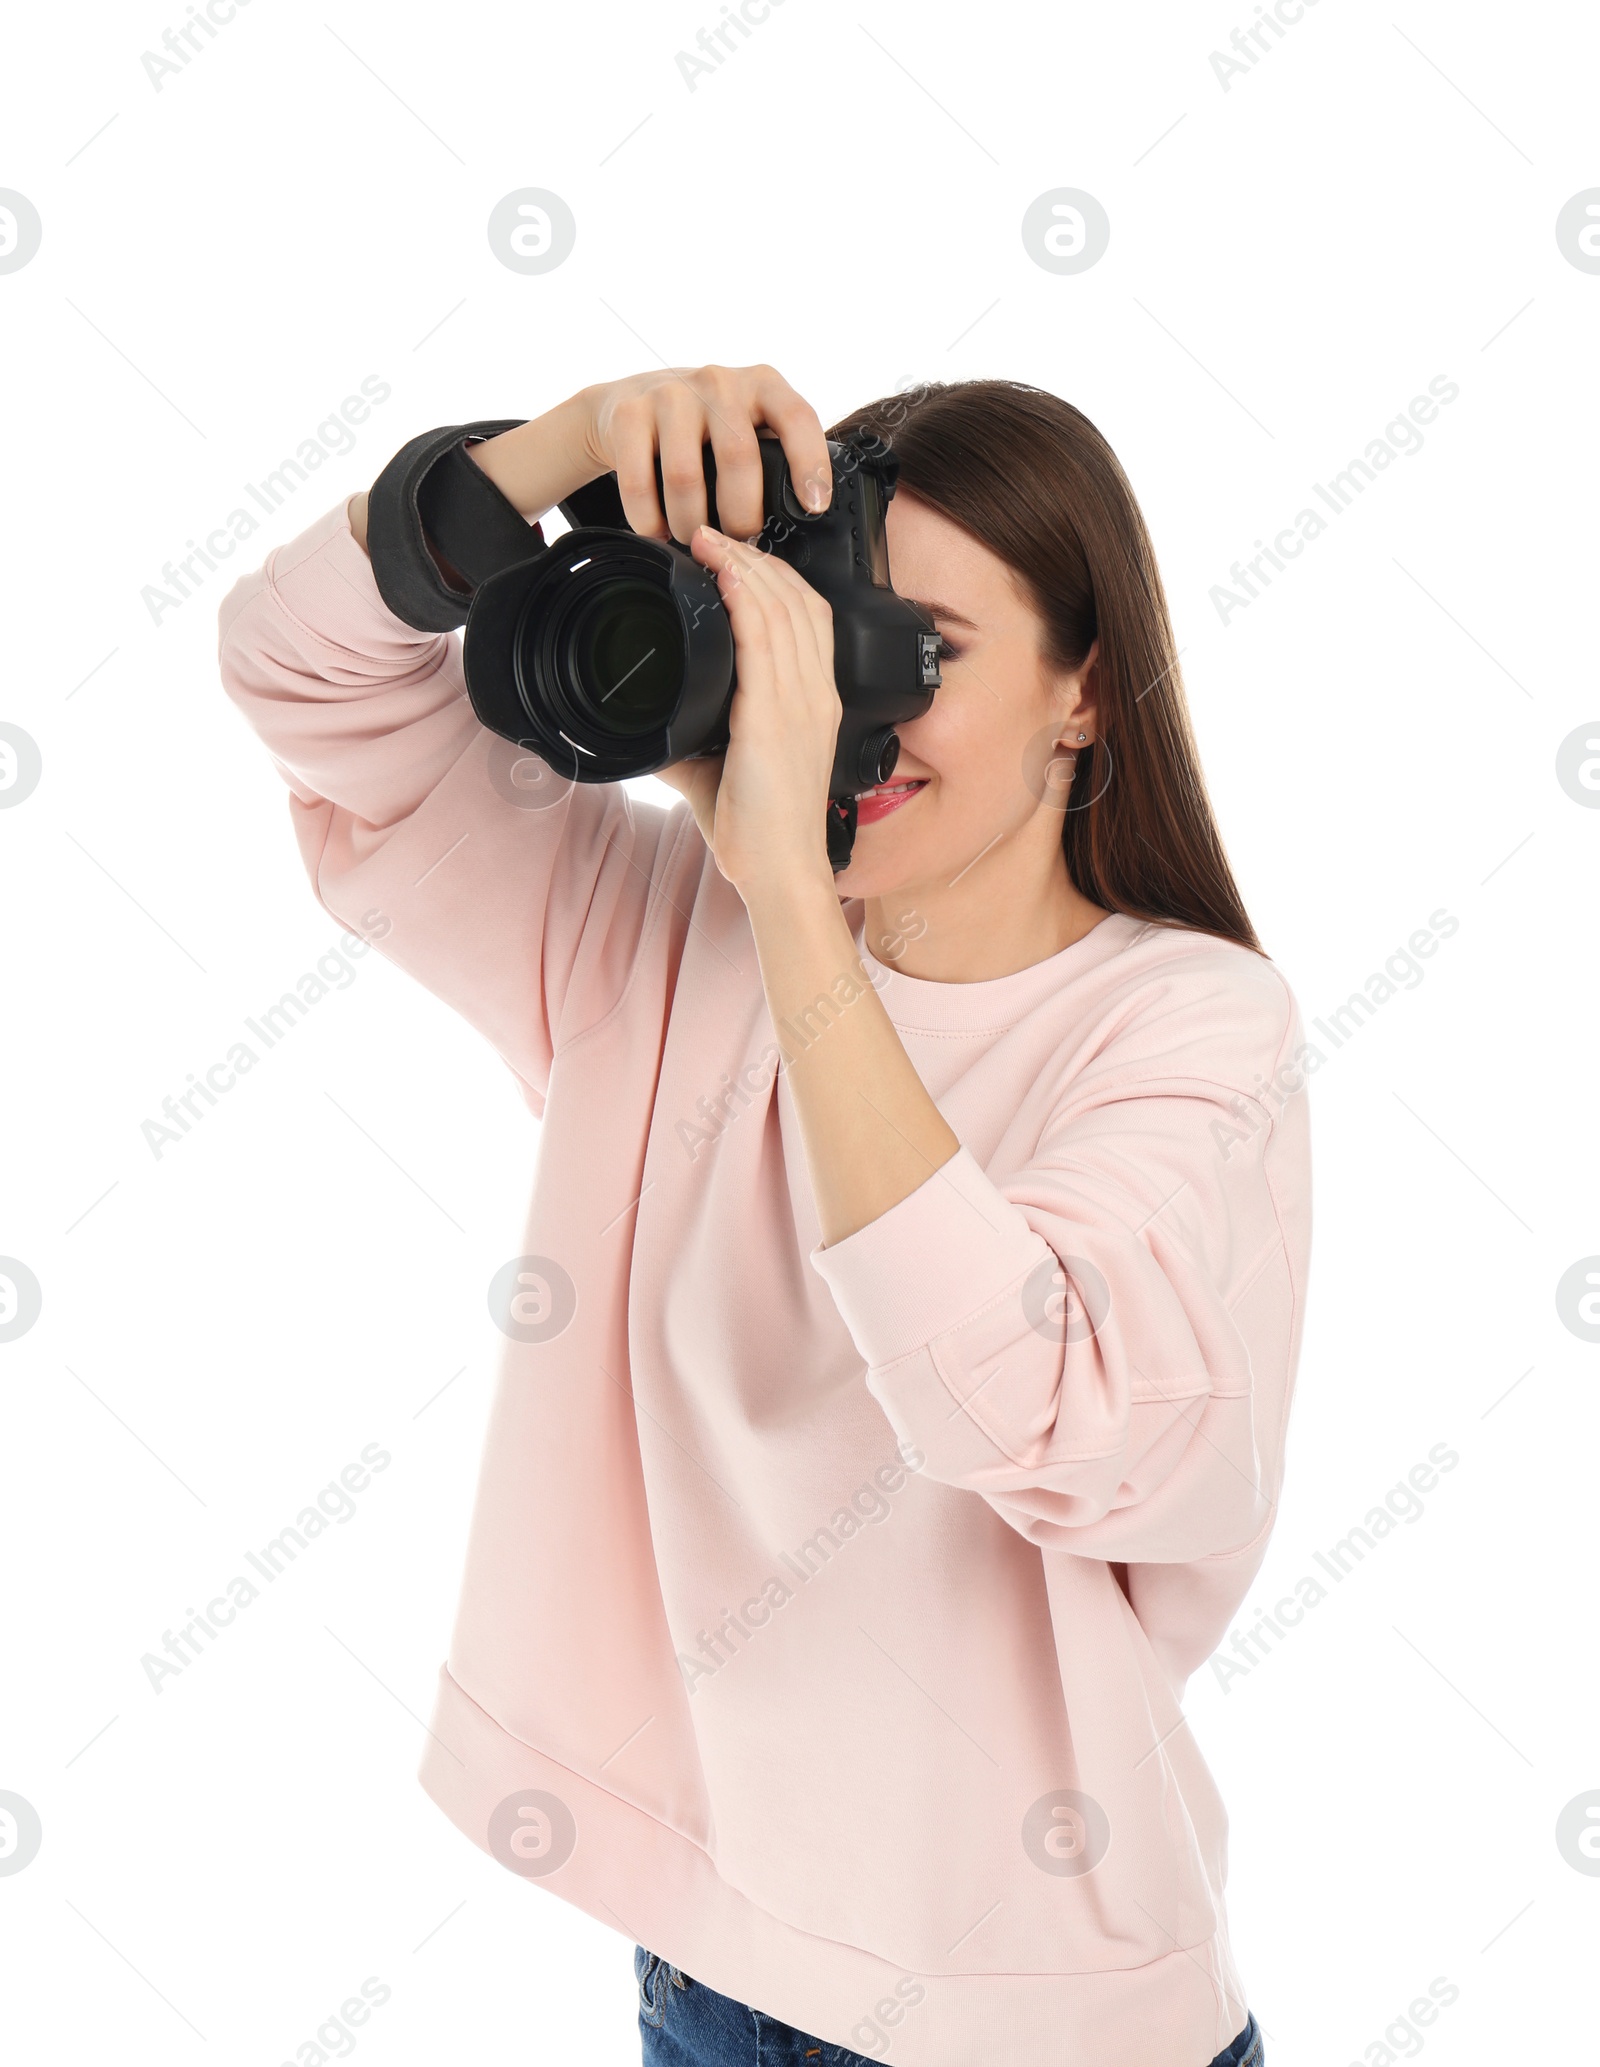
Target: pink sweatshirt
[827, 1611]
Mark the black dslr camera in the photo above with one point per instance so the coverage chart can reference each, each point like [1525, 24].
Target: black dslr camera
[610, 655]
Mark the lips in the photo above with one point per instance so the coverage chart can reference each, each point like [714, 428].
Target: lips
[874, 804]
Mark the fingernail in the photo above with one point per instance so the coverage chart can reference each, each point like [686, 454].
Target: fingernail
[710, 531]
[817, 496]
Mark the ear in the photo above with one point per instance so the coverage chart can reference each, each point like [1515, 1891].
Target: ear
[1080, 692]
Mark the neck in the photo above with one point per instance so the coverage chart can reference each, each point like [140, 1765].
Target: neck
[989, 922]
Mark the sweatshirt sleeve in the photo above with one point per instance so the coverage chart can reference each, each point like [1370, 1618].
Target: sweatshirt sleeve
[1101, 1343]
[522, 906]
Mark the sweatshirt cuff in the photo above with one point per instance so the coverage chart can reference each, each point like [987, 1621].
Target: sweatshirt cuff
[930, 1263]
[323, 580]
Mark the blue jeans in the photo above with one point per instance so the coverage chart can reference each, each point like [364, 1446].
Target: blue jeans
[683, 2023]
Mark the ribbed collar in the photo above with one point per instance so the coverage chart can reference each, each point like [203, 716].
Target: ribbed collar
[914, 1002]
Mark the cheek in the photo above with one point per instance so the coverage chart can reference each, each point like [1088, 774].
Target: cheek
[975, 735]
[936, 740]
[959, 726]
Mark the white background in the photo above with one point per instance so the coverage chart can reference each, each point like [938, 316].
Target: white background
[1292, 258]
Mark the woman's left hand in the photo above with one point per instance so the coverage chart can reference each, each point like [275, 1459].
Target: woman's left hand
[762, 804]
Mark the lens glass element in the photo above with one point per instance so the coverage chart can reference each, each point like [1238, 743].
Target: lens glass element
[625, 655]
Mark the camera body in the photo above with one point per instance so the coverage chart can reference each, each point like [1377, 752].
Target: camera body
[610, 655]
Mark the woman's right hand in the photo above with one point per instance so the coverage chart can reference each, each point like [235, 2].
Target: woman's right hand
[619, 426]
[675, 411]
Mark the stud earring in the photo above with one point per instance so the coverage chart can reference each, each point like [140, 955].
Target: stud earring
[1081, 735]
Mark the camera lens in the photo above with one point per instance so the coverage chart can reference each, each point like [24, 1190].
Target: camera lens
[609, 658]
[624, 656]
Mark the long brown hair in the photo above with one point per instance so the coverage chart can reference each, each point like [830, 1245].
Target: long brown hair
[1032, 479]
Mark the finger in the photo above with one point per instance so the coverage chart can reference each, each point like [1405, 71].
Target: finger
[805, 443]
[793, 582]
[767, 618]
[809, 610]
[748, 613]
[788, 593]
[741, 489]
[681, 417]
[633, 445]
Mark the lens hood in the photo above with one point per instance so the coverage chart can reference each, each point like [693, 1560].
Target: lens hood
[517, 651]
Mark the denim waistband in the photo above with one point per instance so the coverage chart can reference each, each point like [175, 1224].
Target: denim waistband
[656, 1975]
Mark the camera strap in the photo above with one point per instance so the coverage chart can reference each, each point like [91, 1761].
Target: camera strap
[431, 490]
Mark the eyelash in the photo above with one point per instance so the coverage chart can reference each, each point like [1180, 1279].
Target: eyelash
[947, 651]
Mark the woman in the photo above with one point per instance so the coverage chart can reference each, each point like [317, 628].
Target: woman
[892, 1412]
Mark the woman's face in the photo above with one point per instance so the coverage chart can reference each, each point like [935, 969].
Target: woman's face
[993, 782]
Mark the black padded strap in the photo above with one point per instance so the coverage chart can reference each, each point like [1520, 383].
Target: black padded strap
[432, 490]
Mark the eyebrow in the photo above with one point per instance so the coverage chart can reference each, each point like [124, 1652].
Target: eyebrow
[942, 610]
